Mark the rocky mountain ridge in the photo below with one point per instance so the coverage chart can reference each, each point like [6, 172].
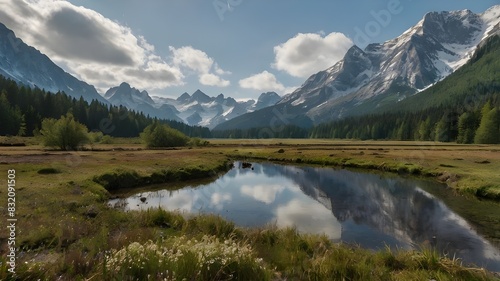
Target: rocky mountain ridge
[196, 109]
[384, 73]
[28, 66]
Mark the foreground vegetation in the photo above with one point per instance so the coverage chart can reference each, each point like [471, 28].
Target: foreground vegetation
[66, 230]
[161, 245]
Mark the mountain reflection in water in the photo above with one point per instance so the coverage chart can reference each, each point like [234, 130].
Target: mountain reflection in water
[367, 209]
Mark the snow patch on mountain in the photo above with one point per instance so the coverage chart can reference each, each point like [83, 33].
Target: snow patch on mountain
[196, 109]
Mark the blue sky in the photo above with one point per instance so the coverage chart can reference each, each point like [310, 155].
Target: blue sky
[240, 48]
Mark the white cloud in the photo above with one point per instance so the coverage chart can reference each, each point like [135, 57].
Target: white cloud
[217, 200]
[200, 63]
[219, 71]
[264, 81]
[192, 59]
[210, 79]
[91, 47]
[98, 50]
[308, 53]
[310, 218]
[263, 193]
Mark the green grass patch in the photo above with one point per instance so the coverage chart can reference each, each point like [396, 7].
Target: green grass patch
[126, 178]
[119, 179]
[162, 218]
[42, 237]
[211, 225]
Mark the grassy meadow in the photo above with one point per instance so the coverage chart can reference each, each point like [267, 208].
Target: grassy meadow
[66, 231]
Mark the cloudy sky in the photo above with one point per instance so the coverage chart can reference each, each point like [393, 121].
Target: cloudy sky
[240, 48]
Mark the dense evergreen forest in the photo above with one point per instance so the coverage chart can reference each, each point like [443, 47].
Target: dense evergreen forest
[22, 110]
[445, 124]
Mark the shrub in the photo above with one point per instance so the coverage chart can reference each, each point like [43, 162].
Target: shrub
[48, 171]
[198, 142]
[162, 218]
[64, 133]
[107, 139]
[96, 137]
[161, 135]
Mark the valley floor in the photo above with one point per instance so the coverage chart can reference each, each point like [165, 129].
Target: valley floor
[65, 228]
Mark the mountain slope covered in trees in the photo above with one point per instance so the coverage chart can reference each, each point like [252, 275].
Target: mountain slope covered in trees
[464, 108]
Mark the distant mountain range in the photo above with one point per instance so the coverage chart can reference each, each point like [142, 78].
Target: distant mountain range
[26, 65]
[364, 81]
[382, 74]
[196, 109]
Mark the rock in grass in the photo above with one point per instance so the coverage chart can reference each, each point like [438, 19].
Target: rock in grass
[91, 212]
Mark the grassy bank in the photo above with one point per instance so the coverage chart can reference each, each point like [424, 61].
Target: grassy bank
[66, 231]
[469, 169]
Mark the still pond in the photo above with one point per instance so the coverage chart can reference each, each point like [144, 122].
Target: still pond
[351, 207]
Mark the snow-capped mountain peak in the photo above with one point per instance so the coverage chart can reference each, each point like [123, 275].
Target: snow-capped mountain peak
[195, 109]
[490, 16]
[457, 27]
[127, 96]
[184, 97]
[200, 97]
[266, 99]
[384, 73]
[491, 21]
[427, 52]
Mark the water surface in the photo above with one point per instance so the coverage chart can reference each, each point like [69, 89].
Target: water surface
[367, 209]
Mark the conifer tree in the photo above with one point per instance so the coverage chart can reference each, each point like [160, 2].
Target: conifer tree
[489, 129]
[467, 126]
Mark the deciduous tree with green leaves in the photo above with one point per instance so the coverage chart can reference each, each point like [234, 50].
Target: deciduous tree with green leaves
[64, 133]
